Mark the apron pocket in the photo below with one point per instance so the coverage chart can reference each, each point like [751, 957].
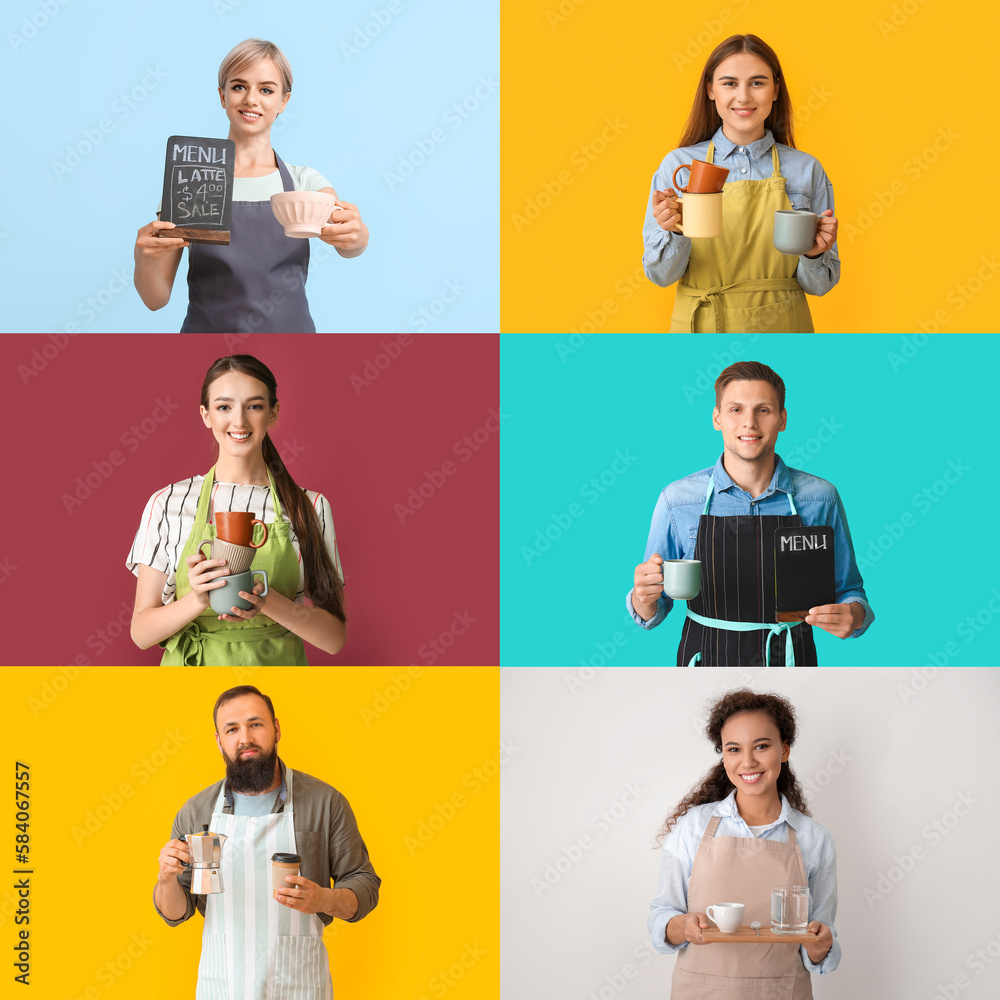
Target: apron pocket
[301, 969]
[698, 986]
[780, 315]
[213, 979]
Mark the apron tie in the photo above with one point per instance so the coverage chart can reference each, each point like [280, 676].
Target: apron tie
[713, 296]
[775, 628]
[189, 643]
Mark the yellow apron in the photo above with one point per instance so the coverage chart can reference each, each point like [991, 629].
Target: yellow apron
[738, 282]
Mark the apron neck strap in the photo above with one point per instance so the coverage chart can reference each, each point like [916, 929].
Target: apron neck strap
[205, 497]
[775, 162]
[710, 155]
[711, 490]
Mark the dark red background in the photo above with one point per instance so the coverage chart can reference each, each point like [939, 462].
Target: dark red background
[69, 401]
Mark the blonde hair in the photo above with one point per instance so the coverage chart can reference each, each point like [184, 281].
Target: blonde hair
[252, 51]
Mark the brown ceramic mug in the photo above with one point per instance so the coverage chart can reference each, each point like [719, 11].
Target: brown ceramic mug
[236, 527]
[705, 178]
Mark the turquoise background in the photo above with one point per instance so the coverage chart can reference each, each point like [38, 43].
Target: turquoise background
[68, 237]
[896, 410]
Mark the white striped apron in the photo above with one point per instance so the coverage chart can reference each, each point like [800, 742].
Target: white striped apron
[253, 948]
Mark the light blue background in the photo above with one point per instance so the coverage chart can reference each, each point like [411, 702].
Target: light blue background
[64, 240]
[893, 423]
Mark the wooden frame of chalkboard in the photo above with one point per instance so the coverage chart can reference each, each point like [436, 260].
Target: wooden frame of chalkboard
[198, 189]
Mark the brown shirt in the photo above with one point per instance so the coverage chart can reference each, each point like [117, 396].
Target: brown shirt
[326, 838]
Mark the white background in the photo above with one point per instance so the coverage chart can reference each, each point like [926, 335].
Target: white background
[915, 744]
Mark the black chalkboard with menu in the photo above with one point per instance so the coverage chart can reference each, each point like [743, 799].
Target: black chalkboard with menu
[198, 188]
[804, 571]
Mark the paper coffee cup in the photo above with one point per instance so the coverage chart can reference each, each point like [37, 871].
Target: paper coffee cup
[282, 865]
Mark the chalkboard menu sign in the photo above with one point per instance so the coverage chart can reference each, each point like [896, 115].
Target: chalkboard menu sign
[198, 188]
[804, 575]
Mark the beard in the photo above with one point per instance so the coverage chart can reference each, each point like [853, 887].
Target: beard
[254, 775]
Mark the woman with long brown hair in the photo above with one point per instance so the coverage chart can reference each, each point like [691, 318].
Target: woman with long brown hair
[175, 578]
[738, 282]
[742, 831]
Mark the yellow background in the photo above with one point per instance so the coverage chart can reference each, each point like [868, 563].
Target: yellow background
[883, 92]
[85, 735]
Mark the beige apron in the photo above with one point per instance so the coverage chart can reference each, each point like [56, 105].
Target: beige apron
[738, 282]
[741, 870]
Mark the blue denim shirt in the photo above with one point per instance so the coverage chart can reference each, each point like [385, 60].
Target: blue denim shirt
[665, 255]
[674, 528]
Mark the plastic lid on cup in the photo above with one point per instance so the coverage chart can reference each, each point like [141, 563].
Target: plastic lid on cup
[286, 859]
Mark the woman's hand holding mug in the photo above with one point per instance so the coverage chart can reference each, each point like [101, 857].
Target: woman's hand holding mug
[205, 575]
[826, 233]
[667, 209]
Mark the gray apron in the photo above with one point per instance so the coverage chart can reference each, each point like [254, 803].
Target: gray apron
[257, 283]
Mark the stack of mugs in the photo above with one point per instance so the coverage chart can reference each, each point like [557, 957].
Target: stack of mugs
[701, 206]
[234, 542]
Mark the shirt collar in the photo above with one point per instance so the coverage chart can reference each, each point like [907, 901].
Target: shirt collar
[282, 791]
[727, 809]
[725, 146]
[781, 480]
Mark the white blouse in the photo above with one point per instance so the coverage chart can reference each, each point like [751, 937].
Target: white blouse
[169, 517]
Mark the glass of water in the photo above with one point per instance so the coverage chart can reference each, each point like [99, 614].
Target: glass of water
[790, 909]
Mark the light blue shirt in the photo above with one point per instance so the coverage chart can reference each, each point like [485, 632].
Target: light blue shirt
[674, 528]
[677, 859]
[253, 805]
[665, 255]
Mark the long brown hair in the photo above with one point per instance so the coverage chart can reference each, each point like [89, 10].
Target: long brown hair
[704, 120]
[716, 784]
[322, 581]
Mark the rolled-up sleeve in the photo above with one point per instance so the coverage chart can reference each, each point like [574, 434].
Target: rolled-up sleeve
[819, 275]
[850, 587]
[662, 541]
[665, 255]
[823, 904]
[671, 895]
[350, 866]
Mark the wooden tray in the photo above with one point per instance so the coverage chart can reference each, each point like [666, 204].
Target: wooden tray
[747, 935]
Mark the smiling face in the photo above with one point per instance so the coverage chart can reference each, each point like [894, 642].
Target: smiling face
[743, 90]
[750, 419]
[752, 753]
[253, 98]
[239, 414]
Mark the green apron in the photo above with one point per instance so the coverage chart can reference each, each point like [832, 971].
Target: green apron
[738, 282]
[261, 641]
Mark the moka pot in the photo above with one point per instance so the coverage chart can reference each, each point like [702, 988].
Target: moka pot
[206, 860]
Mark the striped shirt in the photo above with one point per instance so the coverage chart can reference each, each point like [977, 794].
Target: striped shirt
[169, 517]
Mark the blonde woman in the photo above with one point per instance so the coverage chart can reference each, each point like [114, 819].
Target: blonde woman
[257, 282]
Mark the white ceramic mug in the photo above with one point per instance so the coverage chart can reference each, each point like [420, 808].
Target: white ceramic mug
[727, 916]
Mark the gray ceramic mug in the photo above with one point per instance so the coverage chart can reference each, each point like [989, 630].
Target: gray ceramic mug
[795, 231]
[224, 599]
[681, 578]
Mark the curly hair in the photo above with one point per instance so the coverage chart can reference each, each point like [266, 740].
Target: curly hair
[715, 785]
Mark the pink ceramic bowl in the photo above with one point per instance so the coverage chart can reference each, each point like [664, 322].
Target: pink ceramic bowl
[303, 213]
